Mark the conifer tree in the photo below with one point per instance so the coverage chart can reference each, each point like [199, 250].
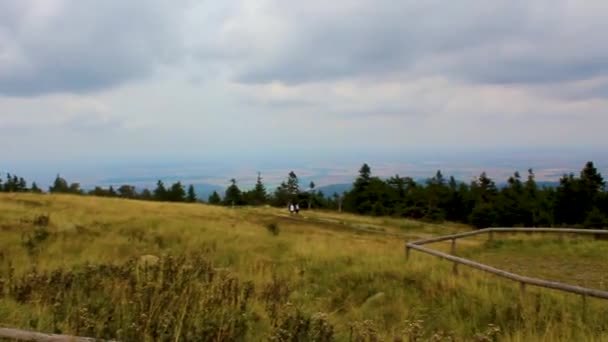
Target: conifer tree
[214, 198]
[35, 189]
[60, 185]
[160, 193]
[176, 193]
[259, 195]
[191, 196]
[233, 194]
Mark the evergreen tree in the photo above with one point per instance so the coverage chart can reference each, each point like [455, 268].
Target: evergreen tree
[191, 197]
[127, 191]
[359, 199]
[146, 195]
[484, 192]
[437, 195]
[311, 193]
[21, 185]
[176, 193]
[293, 187]
[570, 201]
[75, 189]
[258, 195]
[112, 192]
[160, 193]
[233, 194]
[60, 185]
[281, 195]
[35, 189]
[214, 198]
[510, 204]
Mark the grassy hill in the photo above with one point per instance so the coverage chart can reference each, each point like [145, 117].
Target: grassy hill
[149, 271]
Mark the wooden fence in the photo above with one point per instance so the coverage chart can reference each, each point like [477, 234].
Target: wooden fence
[23, 335]
[523, 280]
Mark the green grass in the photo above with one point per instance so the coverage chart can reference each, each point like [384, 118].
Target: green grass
[217, 273]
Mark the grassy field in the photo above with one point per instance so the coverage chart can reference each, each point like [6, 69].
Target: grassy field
[148, 271]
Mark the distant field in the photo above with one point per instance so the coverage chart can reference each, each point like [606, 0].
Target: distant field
[148, 271]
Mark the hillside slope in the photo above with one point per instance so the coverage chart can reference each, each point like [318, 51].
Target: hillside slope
[137, 270]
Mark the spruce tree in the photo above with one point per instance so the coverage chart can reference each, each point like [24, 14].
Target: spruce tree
[176, 193]
[233, 194]
[311, 193]
[160, 193]
[293, 187]
[35, 189]
[259, 195]
[191, 196]
[60, 185]
[214, 198]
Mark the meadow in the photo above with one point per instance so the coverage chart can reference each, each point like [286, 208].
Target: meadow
[150, 271]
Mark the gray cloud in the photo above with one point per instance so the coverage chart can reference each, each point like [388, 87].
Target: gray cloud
[84, 45]
[478, 41]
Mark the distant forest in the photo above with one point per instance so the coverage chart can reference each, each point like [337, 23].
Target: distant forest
[577, 201]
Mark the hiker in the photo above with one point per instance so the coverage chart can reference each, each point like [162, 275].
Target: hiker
[297, 208]
[291, 208]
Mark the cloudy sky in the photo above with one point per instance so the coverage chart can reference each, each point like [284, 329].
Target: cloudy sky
[104, 79]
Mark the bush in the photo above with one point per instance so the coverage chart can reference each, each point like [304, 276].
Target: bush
[42, 220]
[273, 228]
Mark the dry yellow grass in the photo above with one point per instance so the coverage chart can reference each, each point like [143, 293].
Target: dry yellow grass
[340, 264]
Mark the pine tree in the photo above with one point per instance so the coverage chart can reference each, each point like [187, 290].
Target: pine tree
[112, 192]
[293, 187]
[311, 193]
[176, 193]
[214, 198]
[160, 193]
[233, 194]
[35, 189]
[60, 185]
[359, 199]
[191, 197]
[281, 195]
[259, 195]
[127, 191]
[146, 195]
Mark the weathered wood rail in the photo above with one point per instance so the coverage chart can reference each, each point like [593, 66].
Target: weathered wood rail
[523, 280]
[23, 335]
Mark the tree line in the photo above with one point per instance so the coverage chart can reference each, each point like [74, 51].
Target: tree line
[578, 200]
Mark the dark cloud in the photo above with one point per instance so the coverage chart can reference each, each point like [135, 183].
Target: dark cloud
[478, 41]
[83, 45]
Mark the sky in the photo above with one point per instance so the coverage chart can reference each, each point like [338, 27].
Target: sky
[114, 80]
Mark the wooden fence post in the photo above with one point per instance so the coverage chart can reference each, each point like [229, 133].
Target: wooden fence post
[407, 252]
[453, 248]
[455, 268]
[522, 288]
[584, 300]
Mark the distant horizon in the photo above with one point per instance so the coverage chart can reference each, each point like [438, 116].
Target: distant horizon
[549, 165]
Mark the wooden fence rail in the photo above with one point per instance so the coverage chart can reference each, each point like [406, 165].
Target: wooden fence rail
[523, 280]
[23, 335]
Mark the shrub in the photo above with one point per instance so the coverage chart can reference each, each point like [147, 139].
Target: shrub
[273, 228]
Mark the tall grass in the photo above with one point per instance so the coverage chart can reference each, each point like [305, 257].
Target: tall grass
[150, 271]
